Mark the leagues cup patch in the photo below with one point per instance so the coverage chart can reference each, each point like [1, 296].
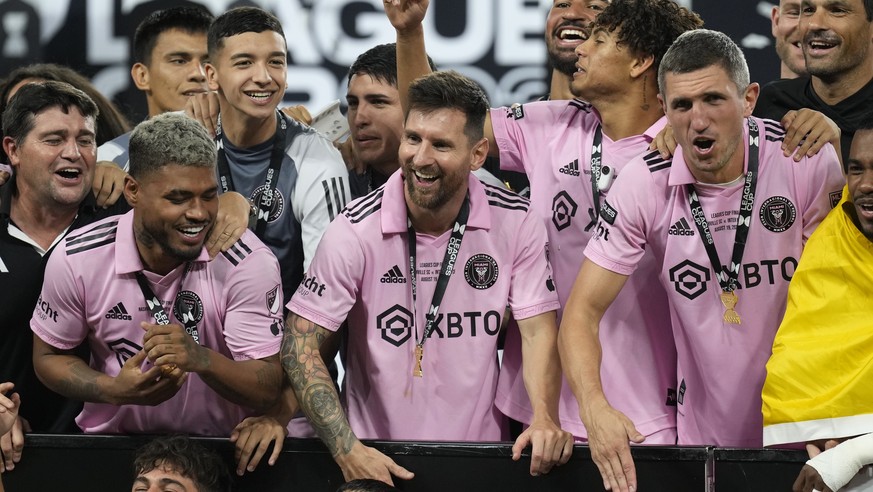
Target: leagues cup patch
[778, 213]
[481, 271]
[277, 203]
[188, 309]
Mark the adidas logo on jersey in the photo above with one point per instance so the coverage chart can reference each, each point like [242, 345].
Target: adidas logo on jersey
[681, 228]
[571, 169]
[118, 312]
[393, 276]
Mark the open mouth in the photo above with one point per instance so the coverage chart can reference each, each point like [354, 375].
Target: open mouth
[819, 44]
[191, 231]
[69, 173]
[259, 97]
[572, 34]
[703, 145]
[426, 178]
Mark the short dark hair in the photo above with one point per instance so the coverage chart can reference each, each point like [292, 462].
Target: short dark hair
[239, 21]
[186, 457]
[868, 8]
[32, 99]
[169, 138]
[193, 20]
[703, 48]
[365, 485]
[451, 90]
[110, 123]
[647, 27]
[380, 62]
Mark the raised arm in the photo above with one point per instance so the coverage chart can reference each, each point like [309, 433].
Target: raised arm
[301, 358]
[542, 378]
[579, 345]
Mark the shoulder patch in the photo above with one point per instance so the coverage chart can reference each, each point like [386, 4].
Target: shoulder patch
[94, 237]
[835, 197]
[364, 207]
[237, 252]
[608, 213]
[516, 111]
[655, 162]
[502, 198]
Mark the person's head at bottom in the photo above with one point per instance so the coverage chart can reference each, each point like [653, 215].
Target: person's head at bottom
[365, 485]
[179, 464]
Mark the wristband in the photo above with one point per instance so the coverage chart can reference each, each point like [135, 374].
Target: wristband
[837, 466]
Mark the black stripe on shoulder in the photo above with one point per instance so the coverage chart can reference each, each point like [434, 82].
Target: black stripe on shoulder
[580, 104]
[774, 127]
[94, 237]
[244, 246]
[365, 207]
[655, 162]
[503, 198]
[771, 138]
[230, 257]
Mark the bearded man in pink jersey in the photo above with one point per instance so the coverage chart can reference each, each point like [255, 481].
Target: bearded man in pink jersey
[420, 270]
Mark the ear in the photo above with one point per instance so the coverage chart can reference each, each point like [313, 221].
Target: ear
[662, 102]
[11, 149]
[131, 190]
[211, 76]
[774, 20]
[140, 75]
[641, 64]
[750, 98]
[478, 154]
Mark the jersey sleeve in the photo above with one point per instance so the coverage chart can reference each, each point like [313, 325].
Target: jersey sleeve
[820, 180]
[321, 192]
[523, 126]
[59, 316]
[116, 151]
[619, 241]
[253, 307]
[332, 283]
[532, 291]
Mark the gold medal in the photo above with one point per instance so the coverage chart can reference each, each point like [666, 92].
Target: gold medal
[419, 353]
[729, 299]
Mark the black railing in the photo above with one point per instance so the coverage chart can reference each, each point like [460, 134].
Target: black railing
[103, 463]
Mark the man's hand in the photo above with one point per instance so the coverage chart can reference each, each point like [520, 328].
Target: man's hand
[550, 446]
[203, 107]
[170, 347]
[608, 434]
[405, 15]
[252, 437]
[350, 157]
[230, 223]
[366, 462]
[12, 426]
[806, 132]
[664, 142]
[299, 113]
[133, 387]
[5, 173]
[108, 183]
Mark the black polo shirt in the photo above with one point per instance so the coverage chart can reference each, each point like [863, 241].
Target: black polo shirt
[21, 275]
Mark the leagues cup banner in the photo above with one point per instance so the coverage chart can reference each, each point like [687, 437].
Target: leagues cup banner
[499, 43]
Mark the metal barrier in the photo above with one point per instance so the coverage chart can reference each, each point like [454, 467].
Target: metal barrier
[103, 463]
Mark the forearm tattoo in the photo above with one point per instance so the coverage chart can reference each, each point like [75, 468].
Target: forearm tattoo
[313, 385]
[81, 383]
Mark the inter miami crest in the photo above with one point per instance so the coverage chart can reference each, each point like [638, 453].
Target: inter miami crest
[188, 309]
[778, 213]
[481, 271]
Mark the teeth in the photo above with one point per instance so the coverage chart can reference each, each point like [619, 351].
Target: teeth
[258, 94]
[69, 172]
[191, 231]
[427, 177]
[571, 33]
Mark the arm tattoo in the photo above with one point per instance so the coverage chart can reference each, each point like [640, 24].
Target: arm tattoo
[81, 384]
[313, 385]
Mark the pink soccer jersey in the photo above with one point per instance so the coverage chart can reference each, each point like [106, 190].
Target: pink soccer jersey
[360, 272]
[91, 292]
[720, 365]
[552, 143]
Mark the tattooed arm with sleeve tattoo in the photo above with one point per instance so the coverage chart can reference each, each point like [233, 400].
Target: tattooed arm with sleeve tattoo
[301, 359]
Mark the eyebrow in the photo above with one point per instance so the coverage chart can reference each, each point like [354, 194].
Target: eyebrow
[249, 55]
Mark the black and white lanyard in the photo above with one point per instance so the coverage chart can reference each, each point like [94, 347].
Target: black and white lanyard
[596, 166]
[154, 304]
[271, 181]
[728, 275]
[446, 269]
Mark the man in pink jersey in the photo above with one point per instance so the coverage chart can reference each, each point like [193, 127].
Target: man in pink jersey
[727, 220]
[422, 342]
[178, 343]
[556, 143]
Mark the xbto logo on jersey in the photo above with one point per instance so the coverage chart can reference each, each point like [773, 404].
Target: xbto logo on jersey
[563, 210]
[481, 271]
[691, 279]
[395, 324]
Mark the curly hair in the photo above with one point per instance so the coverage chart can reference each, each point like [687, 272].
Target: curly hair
[187, 458]
[647, 27]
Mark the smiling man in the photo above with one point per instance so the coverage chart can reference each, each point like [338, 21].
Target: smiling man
[737, 201]
[837, 41]
[178, 342]
[294, 177]
[179, 464]
[567, 26]
[420, 271]
[785, 20]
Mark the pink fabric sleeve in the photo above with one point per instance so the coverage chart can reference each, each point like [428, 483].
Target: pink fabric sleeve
[59, 316]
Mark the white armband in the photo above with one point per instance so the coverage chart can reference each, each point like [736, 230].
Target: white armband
[837, 466]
